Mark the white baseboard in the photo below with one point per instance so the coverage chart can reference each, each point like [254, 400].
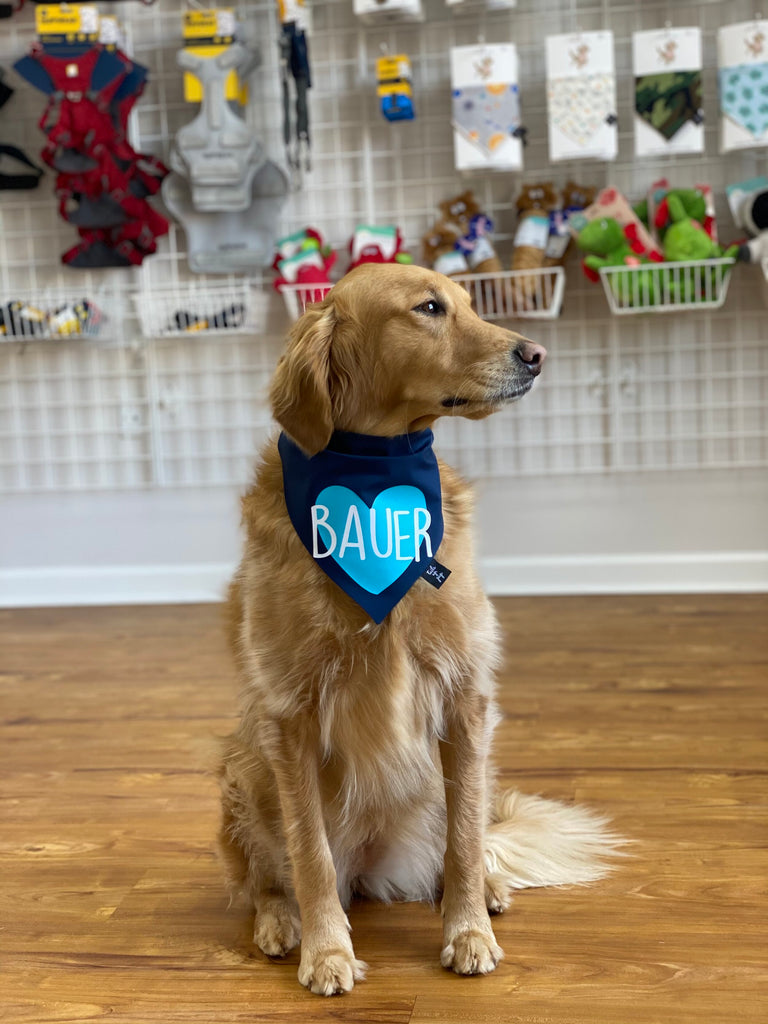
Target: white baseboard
[698, 572]
[589, 574]
[112, 585]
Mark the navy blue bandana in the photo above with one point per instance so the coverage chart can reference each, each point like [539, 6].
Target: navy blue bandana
[368, 510]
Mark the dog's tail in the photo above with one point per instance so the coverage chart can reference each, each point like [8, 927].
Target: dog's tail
[532, 842]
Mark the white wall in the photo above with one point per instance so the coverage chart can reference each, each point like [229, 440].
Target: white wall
[634, 534]
[639, 464]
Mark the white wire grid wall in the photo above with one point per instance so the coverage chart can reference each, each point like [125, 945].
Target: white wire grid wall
[144, 408]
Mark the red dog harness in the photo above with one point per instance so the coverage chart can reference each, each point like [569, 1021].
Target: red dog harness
[103, 183]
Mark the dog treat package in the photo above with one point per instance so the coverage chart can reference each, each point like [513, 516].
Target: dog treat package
[574, 198]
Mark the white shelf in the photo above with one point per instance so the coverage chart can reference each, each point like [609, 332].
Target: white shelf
[507, 294]
[58, 315]
[667, 287]
[516, 294]
[195, 309]
[298, 296]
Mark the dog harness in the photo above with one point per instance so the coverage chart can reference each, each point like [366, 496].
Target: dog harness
[217, 152]
[102, 182]
[369, 512]
[230, 242]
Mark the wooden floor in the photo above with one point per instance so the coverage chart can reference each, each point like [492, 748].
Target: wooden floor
[650, 709]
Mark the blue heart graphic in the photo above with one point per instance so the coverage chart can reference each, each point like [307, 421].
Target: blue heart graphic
[372, 573]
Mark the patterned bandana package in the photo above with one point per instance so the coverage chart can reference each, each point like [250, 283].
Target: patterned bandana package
[668, 107]
[369, 512]
[742, 51]
[485, 108]
[581, 96]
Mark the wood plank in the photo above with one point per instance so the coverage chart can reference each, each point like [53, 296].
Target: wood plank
[650, 709]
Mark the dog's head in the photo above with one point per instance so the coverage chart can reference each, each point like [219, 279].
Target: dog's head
[389, 350]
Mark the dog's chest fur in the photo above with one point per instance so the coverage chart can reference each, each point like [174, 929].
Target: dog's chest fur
[375, 695]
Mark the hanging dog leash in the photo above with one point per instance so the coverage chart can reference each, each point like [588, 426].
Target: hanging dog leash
[294, 66]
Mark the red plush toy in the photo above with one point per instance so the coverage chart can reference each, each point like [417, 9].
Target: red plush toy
[377, 245]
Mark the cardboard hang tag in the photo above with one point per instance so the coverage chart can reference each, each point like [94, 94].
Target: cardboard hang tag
[67, 23]
[207, 33]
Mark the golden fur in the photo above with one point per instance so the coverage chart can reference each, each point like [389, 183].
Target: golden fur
[360, 762]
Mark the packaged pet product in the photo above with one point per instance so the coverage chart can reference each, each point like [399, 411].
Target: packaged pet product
[296, 76]
[487, 129]
[581, 96]
[376, 12]
[742, 56]
[102, 183]
[668, 104]
[394, 90]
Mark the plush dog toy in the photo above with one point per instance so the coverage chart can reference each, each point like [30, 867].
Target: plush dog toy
[441, 252]
[686, 239]
[471, 249]
[460, 210]
[574, 198]
[371, 244]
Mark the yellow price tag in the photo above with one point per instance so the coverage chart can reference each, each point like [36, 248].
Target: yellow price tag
[67, 20]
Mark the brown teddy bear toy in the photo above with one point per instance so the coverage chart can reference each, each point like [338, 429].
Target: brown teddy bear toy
[440, 251]
[460, 210]
[574, 197]
[533, 208]
[474, 232]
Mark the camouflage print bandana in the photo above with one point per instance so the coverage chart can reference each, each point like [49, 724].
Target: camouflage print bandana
[669, 100]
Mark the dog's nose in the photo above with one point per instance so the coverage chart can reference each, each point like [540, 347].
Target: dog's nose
[532, 356]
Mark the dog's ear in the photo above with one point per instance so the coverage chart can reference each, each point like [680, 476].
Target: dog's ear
[301, 387]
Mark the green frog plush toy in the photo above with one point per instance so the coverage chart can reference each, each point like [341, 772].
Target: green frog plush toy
[685, 240]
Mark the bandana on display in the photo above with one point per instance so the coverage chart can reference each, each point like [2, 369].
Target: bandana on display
[369, 512]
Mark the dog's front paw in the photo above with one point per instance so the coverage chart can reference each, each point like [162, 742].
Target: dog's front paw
[329, 972]
[472, 952]
[277, 930]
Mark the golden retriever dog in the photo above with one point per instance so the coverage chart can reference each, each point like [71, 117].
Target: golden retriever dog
[360, 764]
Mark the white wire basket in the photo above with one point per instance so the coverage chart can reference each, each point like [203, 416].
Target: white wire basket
[183, 310]
[513, 294]
[60, 314]
[298, 296]
[667, 287]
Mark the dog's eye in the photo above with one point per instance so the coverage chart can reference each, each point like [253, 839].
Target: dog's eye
[431, 307]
